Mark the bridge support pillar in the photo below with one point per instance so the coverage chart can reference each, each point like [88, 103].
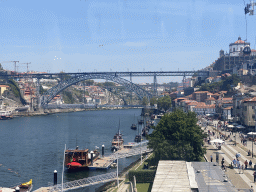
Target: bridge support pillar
[131, 90]
[155, 86]
[184, 81]
[38, 94]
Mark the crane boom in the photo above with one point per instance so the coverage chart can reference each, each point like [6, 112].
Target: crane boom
[14, 64]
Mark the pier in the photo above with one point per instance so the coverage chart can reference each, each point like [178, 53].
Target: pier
[101, 163]
[126, 151]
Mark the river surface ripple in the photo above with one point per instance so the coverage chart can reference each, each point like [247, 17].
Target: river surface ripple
[33, 147]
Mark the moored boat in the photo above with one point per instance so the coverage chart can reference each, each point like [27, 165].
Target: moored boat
[141, 121]
[6, 115]
[78, 159]
[137, 138]
[134, 126]
[117, 142]
[24, 187]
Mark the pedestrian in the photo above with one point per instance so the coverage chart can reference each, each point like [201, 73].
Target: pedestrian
[234, 162]
[211, 158]
[254, 176]
[246, 164]
[242, 169]
[238, 163]
[222, 162]
[250, 163]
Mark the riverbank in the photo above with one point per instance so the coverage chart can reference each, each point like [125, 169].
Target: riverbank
[54, 111]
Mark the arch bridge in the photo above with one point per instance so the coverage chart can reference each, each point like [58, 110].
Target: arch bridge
[51, 93]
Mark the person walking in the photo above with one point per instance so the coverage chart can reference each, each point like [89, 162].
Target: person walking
[234, 162]
[242, 169]
[238, 163]
[222, 162]
[246, 164]
[211, 158]
[254, 176]
[250, 163]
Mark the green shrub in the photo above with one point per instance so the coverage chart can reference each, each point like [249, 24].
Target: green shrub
[142, 176]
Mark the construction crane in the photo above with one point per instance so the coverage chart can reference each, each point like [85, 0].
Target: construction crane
[13, 62]
[27, 65]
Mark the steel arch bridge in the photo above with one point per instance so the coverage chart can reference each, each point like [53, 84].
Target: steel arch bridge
[51, 93]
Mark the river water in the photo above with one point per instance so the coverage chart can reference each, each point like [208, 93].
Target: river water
[33, 147]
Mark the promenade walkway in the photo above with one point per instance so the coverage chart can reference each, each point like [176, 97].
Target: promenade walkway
[242, 180]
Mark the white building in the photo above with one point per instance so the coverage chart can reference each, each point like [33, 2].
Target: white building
[237, 47]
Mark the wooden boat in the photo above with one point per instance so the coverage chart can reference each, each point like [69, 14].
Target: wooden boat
[134, 126]
[117, 142]
[137, 138]
[141, 121]
[78, 159]
[144, 132]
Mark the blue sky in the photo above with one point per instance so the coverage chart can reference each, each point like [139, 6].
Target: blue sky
[119, 35]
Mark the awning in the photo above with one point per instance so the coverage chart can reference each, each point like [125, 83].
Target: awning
[217, 141]
[240, 127]
[251, 133]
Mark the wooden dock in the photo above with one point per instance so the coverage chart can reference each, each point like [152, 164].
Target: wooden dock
[102, 163]
[127, 151]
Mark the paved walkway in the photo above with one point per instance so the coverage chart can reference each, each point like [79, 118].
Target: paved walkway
[240, 179]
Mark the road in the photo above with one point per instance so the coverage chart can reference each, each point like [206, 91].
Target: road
[228, 151]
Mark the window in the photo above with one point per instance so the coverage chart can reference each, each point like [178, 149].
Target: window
[234, 49]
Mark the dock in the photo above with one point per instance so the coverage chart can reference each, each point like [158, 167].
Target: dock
[102, 163]
[129, 150]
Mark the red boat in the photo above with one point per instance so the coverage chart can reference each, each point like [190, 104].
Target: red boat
[78, 159]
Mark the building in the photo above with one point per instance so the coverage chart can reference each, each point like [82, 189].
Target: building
[248, 112]
[202, 109]
[200, 96]
[235, 58]
[3, 88]
[185, 176]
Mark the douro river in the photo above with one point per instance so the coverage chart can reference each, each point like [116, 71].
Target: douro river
[33, 147]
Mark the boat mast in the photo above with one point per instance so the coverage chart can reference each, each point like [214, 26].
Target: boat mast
[63, 170]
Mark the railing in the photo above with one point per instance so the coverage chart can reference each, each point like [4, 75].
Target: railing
[84, 182]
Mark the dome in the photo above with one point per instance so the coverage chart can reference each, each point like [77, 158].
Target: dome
[239, 41]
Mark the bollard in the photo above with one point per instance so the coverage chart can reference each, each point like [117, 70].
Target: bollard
[17, 189]
[55, 177]
[103, 146]
[92, 157]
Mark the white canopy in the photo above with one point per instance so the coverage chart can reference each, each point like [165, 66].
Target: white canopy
[251, 133]
[240, 127]
[230, 126]
[217, 141]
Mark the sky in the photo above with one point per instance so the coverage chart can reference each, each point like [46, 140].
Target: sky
[120, 35]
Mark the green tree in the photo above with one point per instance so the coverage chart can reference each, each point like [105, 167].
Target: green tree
[153, 101]
[145, 101]
[164, 103]
[41, 90]
[1, 68]
[89, 82]
[177, 137]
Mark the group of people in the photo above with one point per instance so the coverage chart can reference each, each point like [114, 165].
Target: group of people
[241, 166]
